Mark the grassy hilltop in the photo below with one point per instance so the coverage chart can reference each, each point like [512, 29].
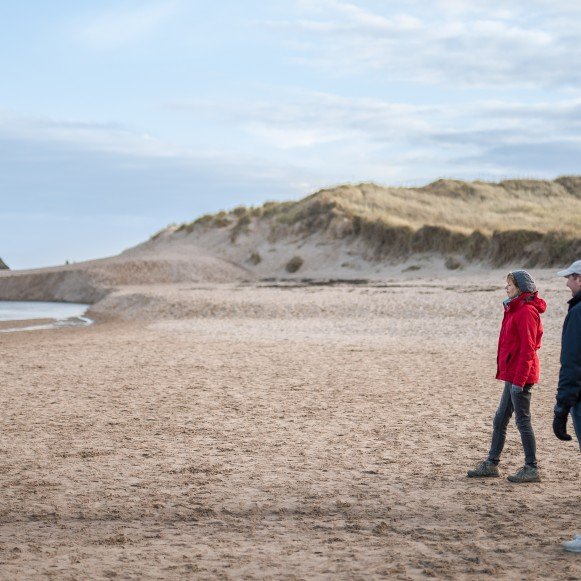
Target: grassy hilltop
[535, 222]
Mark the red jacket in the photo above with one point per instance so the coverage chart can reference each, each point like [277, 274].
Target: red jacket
[519, 340]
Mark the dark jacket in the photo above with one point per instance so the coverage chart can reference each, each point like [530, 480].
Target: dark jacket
[569, 389]
[519, 340]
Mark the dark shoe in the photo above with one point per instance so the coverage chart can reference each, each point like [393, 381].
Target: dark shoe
[484, 469]
[526, 474]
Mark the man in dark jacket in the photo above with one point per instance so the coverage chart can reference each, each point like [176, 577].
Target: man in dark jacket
[569, 388]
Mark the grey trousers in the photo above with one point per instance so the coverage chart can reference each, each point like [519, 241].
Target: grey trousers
[517, 400]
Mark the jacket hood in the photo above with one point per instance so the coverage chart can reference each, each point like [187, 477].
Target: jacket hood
[530, 299]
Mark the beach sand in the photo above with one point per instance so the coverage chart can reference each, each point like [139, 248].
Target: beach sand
[279, 431]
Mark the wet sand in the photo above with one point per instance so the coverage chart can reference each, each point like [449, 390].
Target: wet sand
[4, 325]
[284, 433]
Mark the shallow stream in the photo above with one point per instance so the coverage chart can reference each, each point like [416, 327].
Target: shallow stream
[48, 315]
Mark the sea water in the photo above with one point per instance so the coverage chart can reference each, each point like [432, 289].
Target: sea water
[64, 314]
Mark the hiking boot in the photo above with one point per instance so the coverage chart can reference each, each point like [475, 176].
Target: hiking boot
[526, 474]
[484, 469]
[573, 546]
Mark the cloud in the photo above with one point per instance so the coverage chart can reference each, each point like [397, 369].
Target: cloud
[356, 18]
[125, 25]
[467, 44]
[528, 159]
[82, 167]
[362, 138]
[309, 119]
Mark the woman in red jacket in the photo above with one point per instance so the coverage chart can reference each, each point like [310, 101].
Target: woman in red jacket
[518, 366]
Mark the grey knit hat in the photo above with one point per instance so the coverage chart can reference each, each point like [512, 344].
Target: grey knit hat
[524, 281]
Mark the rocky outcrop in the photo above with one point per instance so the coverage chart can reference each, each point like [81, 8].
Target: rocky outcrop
[91, 281]
[74, 286]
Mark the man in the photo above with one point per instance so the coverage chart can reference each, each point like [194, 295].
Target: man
[569, 388]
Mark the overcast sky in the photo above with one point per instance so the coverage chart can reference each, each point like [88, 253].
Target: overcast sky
[120, 117]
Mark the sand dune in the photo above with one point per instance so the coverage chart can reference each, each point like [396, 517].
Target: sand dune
[532, 222]
[347, 232]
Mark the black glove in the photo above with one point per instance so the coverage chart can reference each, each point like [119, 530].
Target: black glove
[560, 422]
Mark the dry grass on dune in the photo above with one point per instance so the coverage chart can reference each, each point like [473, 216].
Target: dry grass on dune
[465, 207]
[531, 221]
[540, 206]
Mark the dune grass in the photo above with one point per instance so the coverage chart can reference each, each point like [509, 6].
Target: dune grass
[465, 207]
[536, 221]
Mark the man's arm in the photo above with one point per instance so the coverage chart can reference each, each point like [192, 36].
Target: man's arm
[570, 374]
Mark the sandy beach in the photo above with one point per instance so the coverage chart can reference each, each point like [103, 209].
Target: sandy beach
[282, 431]
[253, 261]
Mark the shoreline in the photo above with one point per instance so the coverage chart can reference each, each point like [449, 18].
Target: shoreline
[25, 315]
[44, 324]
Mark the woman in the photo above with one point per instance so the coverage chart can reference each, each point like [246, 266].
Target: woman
[518, 367]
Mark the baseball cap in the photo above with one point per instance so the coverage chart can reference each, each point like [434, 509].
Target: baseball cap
[575, 268]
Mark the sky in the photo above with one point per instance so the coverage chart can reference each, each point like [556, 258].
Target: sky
[120, 117]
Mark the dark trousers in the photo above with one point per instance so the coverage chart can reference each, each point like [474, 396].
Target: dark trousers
[576, 415]
[517, 400]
